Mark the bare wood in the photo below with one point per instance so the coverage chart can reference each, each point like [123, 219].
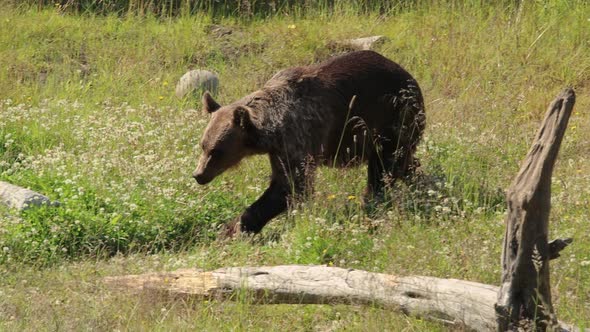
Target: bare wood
[448, 300]
[525, 292]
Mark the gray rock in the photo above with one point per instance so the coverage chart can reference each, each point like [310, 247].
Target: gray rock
[21, 198]
[366, 43]
[197, 79]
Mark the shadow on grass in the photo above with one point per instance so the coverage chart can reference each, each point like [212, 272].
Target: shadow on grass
[434, 195]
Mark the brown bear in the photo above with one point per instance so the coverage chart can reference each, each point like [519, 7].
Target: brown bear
[351, 108]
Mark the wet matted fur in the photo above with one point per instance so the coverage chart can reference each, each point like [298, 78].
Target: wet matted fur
[354, 108]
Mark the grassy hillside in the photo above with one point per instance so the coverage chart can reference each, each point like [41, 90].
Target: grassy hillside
[88, 116]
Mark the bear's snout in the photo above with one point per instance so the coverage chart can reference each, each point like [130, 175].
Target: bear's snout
[203, 173]
[201, 178]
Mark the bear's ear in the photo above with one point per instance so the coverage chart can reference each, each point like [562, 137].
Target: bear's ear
[209, 104]
[243, 118]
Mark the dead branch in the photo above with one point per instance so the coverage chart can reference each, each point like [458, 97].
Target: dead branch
[525, 293]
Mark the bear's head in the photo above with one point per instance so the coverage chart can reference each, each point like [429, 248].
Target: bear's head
[228, 138]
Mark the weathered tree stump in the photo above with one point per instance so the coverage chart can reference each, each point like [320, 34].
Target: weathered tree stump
[525, 294]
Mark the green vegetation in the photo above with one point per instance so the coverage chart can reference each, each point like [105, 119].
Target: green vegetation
[88, 116]
[244, 9]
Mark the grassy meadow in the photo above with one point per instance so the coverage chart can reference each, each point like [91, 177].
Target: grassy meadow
[89, 117]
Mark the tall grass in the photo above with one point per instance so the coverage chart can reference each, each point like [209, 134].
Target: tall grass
[224, 8]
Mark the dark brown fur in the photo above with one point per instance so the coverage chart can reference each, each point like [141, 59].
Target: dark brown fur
[353, 108]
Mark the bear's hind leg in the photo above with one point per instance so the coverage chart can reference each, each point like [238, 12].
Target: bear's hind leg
[385, 168]
[404, 163]
[376, 177]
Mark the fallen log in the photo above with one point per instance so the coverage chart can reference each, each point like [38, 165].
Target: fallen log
[446, 300]
[449, 301]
